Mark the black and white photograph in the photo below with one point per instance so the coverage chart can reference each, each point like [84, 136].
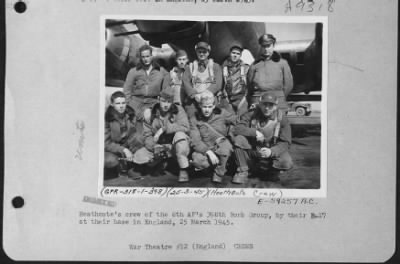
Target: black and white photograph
[213, 104]
[200, 131]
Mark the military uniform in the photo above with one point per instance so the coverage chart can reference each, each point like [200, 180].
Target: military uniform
[211, 134]
[273, 76]
[176, 126]
[142, 89]
[277, 137]
[174, 139]
[200, 77]
[270, 73]
[120, 133]
[235, 85]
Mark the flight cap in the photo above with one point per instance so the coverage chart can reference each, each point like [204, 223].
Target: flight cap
[268, 98]
[237, 46]
[202, 45]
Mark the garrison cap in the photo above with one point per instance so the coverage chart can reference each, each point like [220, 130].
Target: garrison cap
[266, 39]
[268, 98]
[167, 94]
[180, 53]
[202, 45]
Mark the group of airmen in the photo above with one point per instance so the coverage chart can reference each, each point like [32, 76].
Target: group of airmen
[201, 114]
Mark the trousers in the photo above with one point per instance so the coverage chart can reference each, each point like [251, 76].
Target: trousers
[110, 160]
[250, 158]
[180, 150]
[113, 167]
[223, 149]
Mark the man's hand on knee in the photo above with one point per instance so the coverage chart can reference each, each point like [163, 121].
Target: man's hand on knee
[265, 152]
[128, 154]
[213, 158]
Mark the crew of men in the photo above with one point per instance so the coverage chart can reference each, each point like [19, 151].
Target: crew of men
[201, 114]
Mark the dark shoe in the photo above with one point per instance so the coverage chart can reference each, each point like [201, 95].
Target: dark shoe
[158, 169]
[123, 168]
[183, 176]
[133, 175]
[240, 177]
[123, 174]
[273, 175]
[216, 178]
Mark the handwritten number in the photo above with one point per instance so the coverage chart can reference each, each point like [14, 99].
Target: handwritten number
[330, 5]
[310, 6]
[288, 6]
[300, 4]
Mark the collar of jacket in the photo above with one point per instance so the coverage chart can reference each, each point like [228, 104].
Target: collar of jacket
[205, 63]
[178, 70]
[113, 115]
[155, 65]
[259, 116]
[155, 111]
[276, 57]
[229, 64]
[200, 117]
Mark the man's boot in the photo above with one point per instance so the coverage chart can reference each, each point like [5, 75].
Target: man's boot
[240, 177]
[133, 175]
[216, 178]
[123, 168]
[157, 169]
[242, 160]
[273, 175]
[183, 175]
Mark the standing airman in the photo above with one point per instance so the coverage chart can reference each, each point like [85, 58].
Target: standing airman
[204, 75]
[270, 73]
[143, 83]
